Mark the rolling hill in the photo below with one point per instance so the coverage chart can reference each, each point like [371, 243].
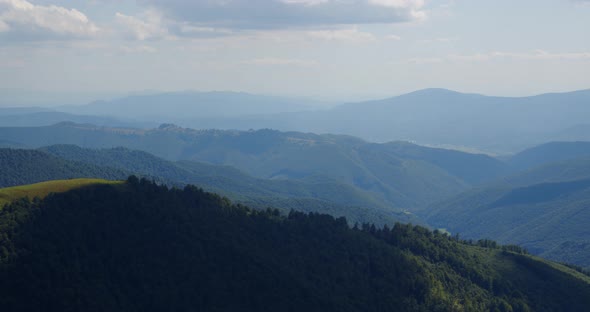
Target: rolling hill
[548, 153]
[544, 209]
[326, 195]
[560, 171]
[404, 175]
[18, 167]
[140, 246]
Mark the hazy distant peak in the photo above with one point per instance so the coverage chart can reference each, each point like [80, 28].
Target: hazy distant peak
[68, 124]
[438, 92]
[434, 91]
[168, 126]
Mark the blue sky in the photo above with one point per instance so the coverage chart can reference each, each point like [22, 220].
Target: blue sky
[331, 49]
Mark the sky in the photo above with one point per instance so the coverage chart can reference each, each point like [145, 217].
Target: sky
[62, 51]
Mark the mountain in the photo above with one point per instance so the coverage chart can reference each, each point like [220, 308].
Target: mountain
[574, 133]
[439, 117]
[326, 196]
[138, 246]
[543, 209]
[400, 174]
[165, 106]
[560, 171]
[471, 168]
[14, 111]
[18, 166]
[37, 119]
[548, 153]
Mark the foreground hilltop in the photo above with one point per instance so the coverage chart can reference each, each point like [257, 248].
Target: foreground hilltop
[139, 246]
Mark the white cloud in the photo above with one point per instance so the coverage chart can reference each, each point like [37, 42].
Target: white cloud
[393, 37]
[347, 35]
[284, 14]
[22, 20]
[533, 55]
[148, 26]
[280, 62]
[305, 2]
[4, 26]
[200, 31]
[12, 63]
[440, 40]
[139, 49]
[422, 60]
[538, 55]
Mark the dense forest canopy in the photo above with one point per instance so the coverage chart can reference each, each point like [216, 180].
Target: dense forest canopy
[140, 246]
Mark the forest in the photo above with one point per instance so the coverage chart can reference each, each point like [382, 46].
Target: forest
[140, 246]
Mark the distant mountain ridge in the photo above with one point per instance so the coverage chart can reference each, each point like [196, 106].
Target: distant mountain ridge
[550, 152]
[189, 104]
[438, 117]
[400, 173]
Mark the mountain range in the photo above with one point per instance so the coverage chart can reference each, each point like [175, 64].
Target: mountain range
[434, 117]
[544, 209]
[401, 174]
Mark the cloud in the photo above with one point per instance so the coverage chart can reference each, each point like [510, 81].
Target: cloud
[12, 63]
[440, 40]
[138, 49]
[533, 55]
[537, 55]
[22, 20]
[422, 60]
[280, 62]
[188, 30]
[148, 26]
[393, 37]
[347, 35]
[283, 14]
[153, 25]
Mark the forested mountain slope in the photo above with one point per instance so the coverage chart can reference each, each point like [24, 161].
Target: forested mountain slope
[548, 153]
[19, 166]
[560, 171]
[139, 246]
[320, 195]
[550, 219]
[404, 175]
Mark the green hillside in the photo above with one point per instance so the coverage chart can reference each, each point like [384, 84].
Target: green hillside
[41, 190]
[19, 167]
[404, 175]
[549, 219]
[313, 194]
[141, 247]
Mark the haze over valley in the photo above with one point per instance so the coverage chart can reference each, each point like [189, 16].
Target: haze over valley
[294, 155]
